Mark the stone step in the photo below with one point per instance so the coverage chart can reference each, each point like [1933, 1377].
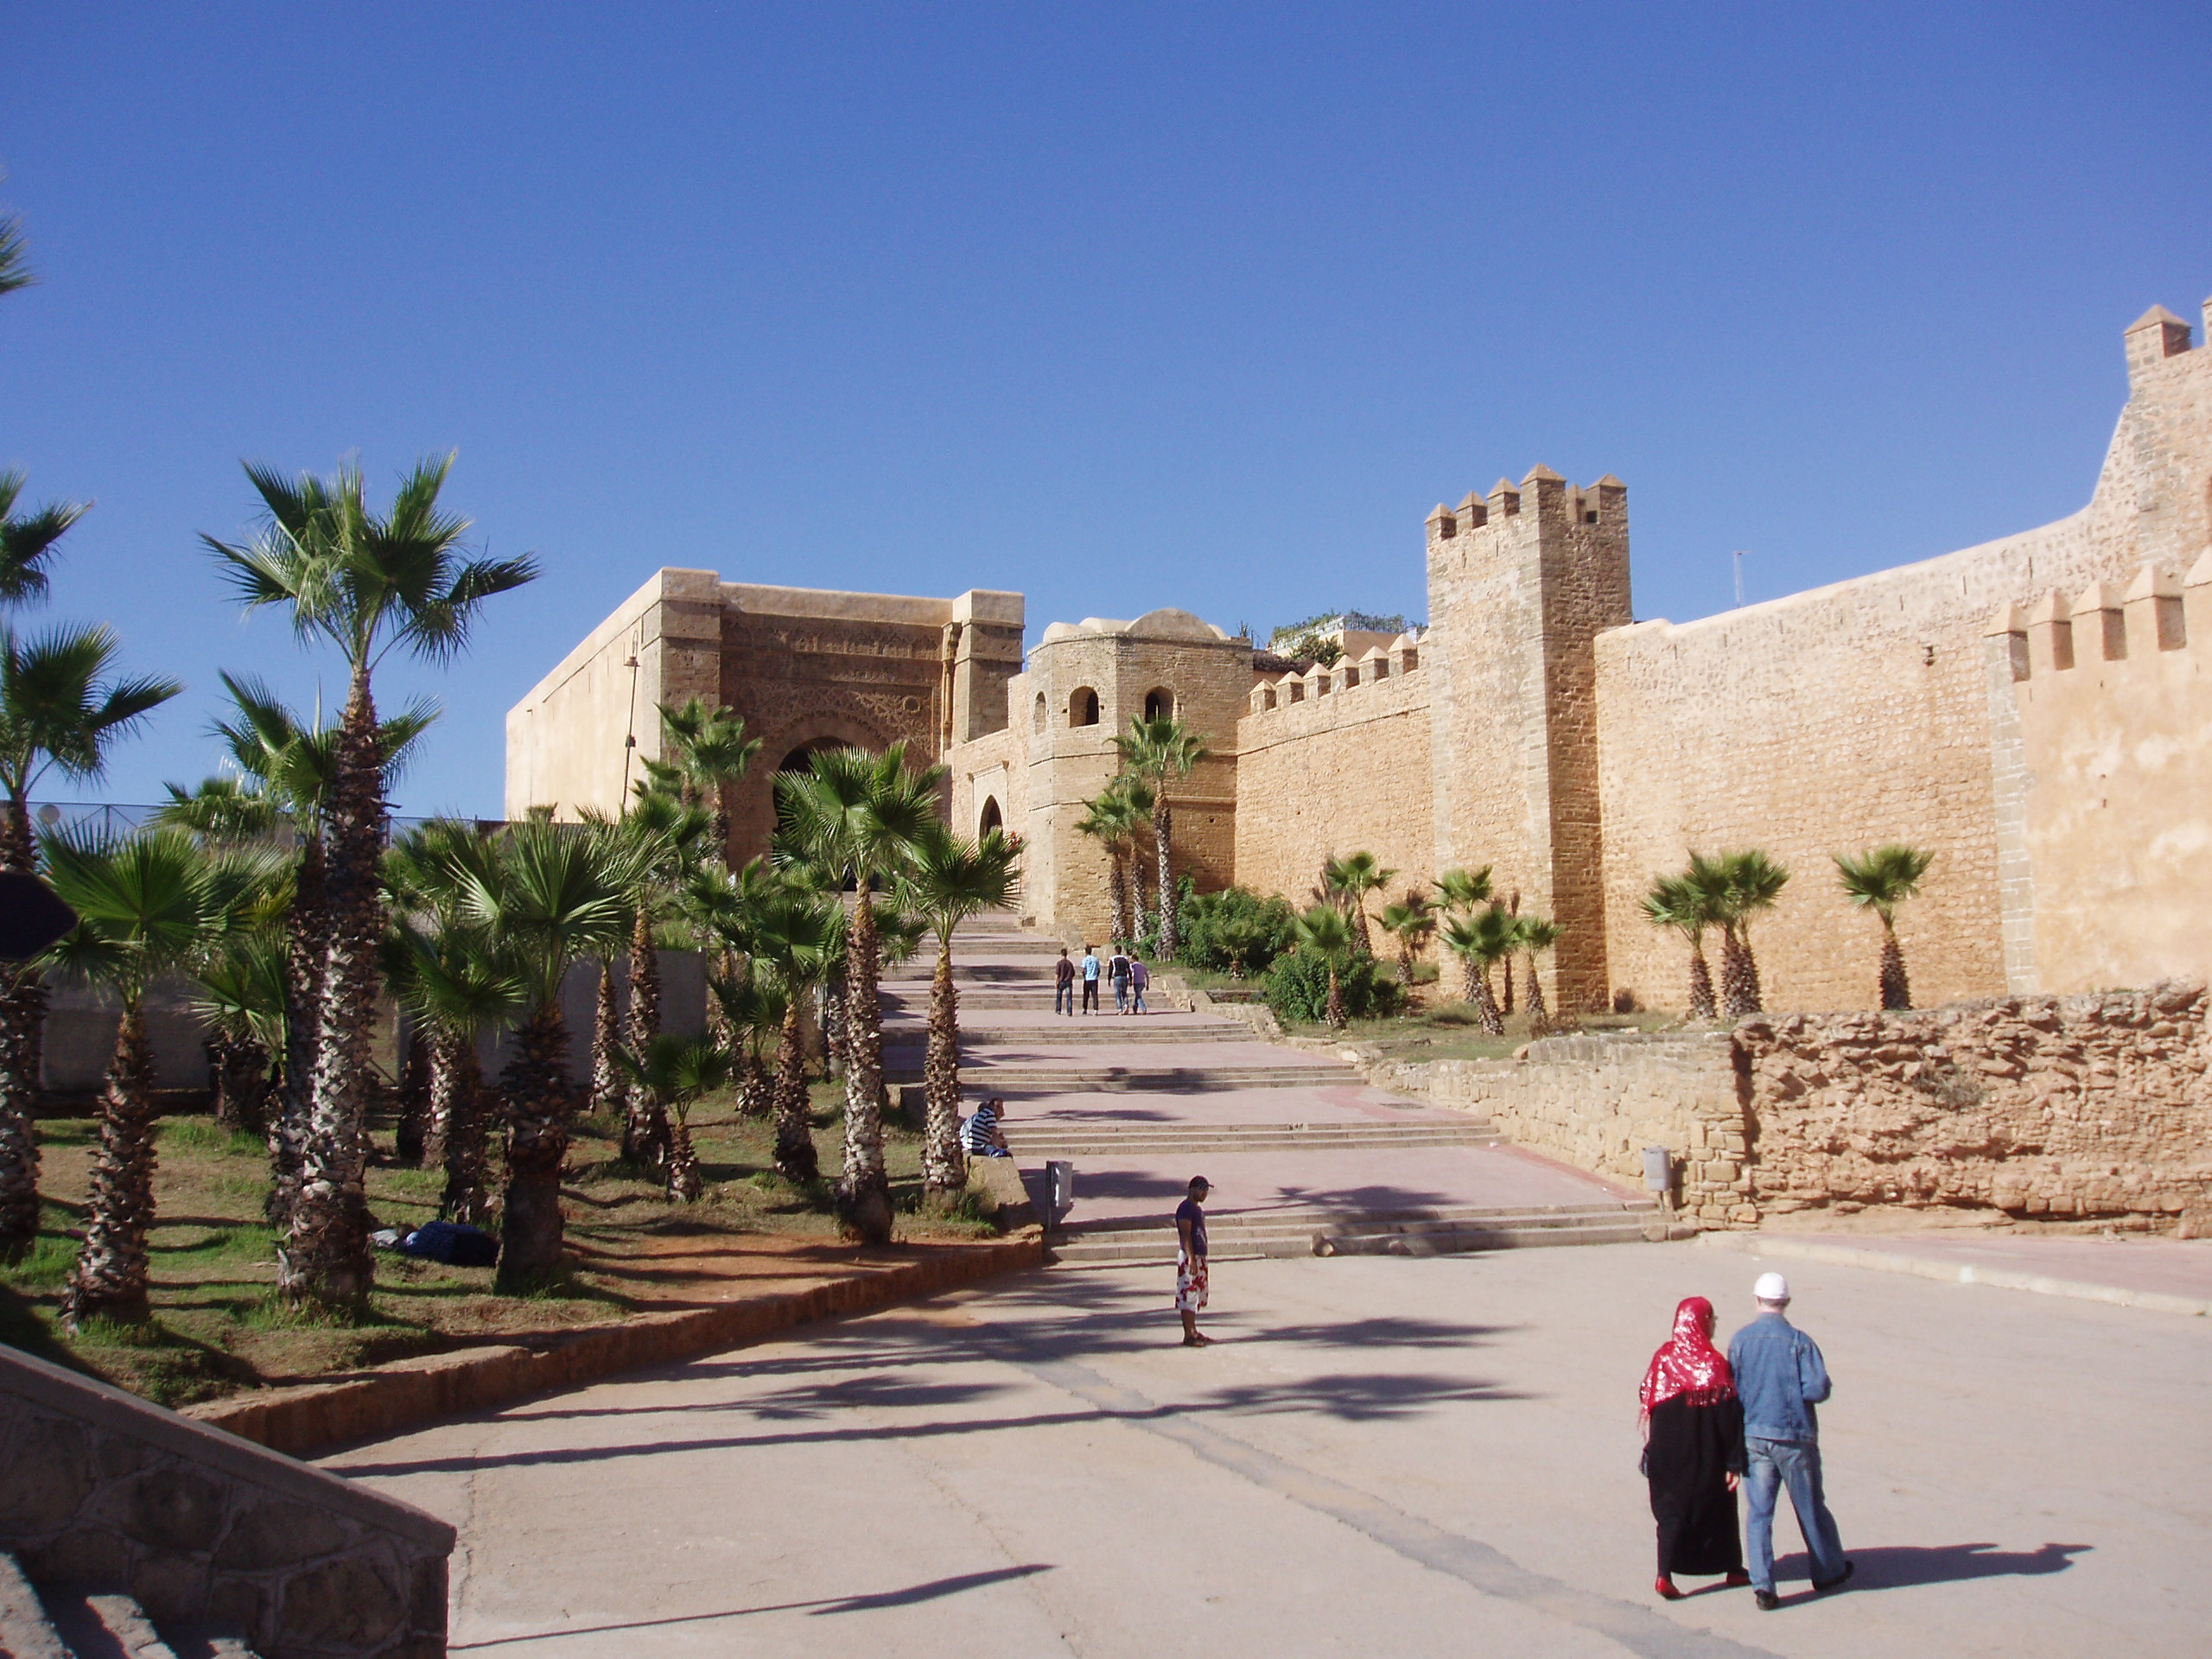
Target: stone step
[1017, 1079]
[1070, 1033]
[1442, 1232]
[104, 1626]
[1035, 1142]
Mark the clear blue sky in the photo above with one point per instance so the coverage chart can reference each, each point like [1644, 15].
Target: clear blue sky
[1119, 306]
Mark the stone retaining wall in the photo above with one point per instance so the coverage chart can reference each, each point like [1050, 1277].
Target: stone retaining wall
[2069, 1107]
[2044, 1106]
[1598, 1102]
[101, 1489]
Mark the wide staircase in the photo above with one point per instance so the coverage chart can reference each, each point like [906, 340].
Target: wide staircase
[1306, 1158]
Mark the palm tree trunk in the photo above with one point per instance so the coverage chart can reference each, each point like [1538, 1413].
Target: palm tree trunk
[535, 1086]
[834, 1058]
[944, 1171]
[109, 1281]
[241, 1068]
[796, 1159]
[1486, 1009]
[864, 1189]
[326, 1258]
[1162, 827]
[605, 1032]
[23, 1034]
[1740, 982]
[1405, 963]
[1117, 902]
[682, 1163]
[1505, 1005]
[288, 1129]
[1362, 940]
[644, 1131]
[1701, 1003]
[1540, 1016]
[1334, 1010]
[1897, 990]
[455, 1141]
[410, 1133]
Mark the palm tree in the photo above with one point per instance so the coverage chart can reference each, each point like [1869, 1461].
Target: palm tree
[799, 934]
[15, 267]
[752, 1010]
[1479, 939]
[222, 812]
[664, 835]
[548, 895]
[28, 540]
[1741, 885]
[1412, 921]
[1678, 902]
[862, 815]
[1349, 880]
[289, 763]
[1535, 935]
[1100, 822]
[60, 710]
[241, 997]
[1465, 891]
[1157, 752]
[369, 585]
[1880, 881]
[704, 750]
[1324, 930]
[952, 879]
[679, 1070]
[147, 905]
[449, 971]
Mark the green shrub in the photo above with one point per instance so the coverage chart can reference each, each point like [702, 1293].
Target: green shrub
[1297, 988]
[1236, 931]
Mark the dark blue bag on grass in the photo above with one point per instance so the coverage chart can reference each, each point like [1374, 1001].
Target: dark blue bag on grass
[453, 1243]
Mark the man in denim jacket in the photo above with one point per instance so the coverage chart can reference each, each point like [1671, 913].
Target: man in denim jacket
[1780, 1377]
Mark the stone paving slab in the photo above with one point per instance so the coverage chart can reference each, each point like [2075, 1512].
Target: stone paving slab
[1147, 1186]
[1331, 1102]
[2167, 1274]
[1433, 1457]
[1144, 1055]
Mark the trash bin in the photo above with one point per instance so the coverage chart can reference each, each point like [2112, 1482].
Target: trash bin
[1059, 1190]
[1658, 1170]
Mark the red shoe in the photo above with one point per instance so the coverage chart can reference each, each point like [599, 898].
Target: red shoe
[1666, 1589]
[1735, 1580]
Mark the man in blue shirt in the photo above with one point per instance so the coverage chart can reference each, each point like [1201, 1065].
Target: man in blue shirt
[1090, 980]
[1781, 1377]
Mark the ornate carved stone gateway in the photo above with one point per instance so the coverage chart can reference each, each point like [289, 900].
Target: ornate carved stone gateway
[806, 668]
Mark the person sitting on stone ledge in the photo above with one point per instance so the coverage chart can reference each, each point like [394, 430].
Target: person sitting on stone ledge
[981, 1136]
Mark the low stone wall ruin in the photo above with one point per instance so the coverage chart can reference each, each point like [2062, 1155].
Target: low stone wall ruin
[2068, 1107]
[2065, 1108]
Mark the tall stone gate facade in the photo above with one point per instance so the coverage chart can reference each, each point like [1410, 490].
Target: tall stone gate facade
[2028, 709]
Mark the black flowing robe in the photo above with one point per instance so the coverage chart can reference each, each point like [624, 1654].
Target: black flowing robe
[1692, 1450]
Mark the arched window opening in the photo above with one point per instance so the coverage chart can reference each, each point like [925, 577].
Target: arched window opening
[1036, 720]
[800, 759]
[1159, 704]
[1083, 707]
[990, 819]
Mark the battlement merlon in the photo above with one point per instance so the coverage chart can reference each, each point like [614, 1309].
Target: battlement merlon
[2157, 336]
[1605, 502]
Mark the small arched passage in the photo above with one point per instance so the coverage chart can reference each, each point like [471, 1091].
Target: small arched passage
[1043, 714]
[1083, 707]
[1159, 704]
[989, 818]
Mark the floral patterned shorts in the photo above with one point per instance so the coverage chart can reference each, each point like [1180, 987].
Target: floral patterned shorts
[1189, 1283]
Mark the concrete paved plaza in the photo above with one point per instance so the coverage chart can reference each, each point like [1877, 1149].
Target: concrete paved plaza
[1380, 1455]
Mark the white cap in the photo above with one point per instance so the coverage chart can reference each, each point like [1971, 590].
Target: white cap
[1771, 1288]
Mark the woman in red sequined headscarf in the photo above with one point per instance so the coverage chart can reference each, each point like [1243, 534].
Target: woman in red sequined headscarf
[1694, 1450]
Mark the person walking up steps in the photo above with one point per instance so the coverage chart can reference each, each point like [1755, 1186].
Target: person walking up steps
[1191, 1260]
[1139, 981]
[1090, 980]
[1063, 984]
[1781, 1377]
[1118, 971]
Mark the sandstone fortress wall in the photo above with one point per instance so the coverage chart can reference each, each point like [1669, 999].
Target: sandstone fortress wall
[2033, 709]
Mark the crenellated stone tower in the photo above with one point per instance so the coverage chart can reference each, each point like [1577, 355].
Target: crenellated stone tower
[1520, 584]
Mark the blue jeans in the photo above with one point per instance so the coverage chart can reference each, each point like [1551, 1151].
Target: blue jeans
[1136, 1000]
[1121, 997]
[1796, 1464]
[1064, 998]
